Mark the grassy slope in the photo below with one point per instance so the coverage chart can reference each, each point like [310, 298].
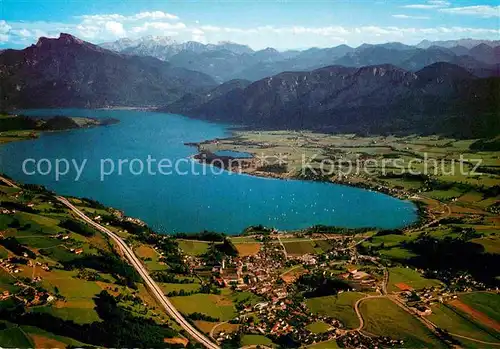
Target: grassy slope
[448, 319]
[340, 307]
[410, 277]
[486, 303]
[384, 318]
[36, 231]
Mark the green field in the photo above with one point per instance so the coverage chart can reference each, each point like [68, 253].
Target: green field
[7, 282]
[166, 288]
[340, 307]
[324, 345]
[446, 318]
[78, 315]
[490, 244]
[69, 286]
[299, 247]
[397, 253]
[193, 247]
[255, 339]
[246, 297]
[318, 327]
[384, 318]
[409, 277]
[213, 305]
[324, 245]
[486, 303]
[243, 240]
[3, 252]
[35, 332]
[13, 336]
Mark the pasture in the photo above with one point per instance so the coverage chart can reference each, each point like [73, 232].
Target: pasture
[400, 276]
[318, 327]
[384, 318]
[340, 307]
[299, 247]
[217, 306]
[193, 247]
[447, 318]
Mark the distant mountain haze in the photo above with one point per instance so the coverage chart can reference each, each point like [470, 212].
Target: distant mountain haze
[441, 98]
[388, 88]
[227, 61]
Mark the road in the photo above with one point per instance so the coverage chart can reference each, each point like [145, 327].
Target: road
[149, 282]
[283, 246]
[9, 183]
[426, 322]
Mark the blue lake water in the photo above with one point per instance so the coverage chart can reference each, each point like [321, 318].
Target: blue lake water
[192, 202]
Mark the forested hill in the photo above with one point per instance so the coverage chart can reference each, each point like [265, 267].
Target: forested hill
[67, 71]
[440, 98]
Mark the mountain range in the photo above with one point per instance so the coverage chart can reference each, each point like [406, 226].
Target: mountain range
[457, 95]
[70, 72]
[441, 98]
[227, 61]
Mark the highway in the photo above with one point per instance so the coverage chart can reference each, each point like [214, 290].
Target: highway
[9, 183]
[150, 283]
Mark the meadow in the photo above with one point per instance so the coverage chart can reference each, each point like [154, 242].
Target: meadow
[340, 307]
[400, 278]
[384, 318]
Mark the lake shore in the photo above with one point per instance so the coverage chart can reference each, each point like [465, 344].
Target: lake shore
[297, 204]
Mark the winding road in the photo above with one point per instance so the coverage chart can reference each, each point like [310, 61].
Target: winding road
[426, 322]
[150, 283]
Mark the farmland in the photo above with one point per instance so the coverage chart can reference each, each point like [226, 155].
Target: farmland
[192, 247]
[242, 287]
[447, 318]
[55, 269]
[299, 247]
[247, 249]
[340, 307]
[251, 339]
[384, 318]
[486, 303]
[406, 277]
[318, 327]
[216, 306]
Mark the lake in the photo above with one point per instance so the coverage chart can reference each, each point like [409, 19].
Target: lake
[191, 202]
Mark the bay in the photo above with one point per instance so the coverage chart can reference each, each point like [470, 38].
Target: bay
[225, 202]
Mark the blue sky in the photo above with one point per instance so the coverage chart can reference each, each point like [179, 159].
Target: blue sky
[257, 23]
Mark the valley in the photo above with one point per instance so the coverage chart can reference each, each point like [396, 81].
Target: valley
[260, 287]
[163, 186]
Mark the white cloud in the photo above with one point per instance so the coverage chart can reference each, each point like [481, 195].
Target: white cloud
[4, 31]
[198, 35]
[155, 15]
[480, 11]
[100, 28]
[441, 3]
[410, 17]
[115, 28]
[431, 4]
[158, 27]
[88, 31]
[24, 33]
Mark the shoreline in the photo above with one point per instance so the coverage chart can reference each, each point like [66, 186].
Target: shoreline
[419, 212]
[423, 216]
